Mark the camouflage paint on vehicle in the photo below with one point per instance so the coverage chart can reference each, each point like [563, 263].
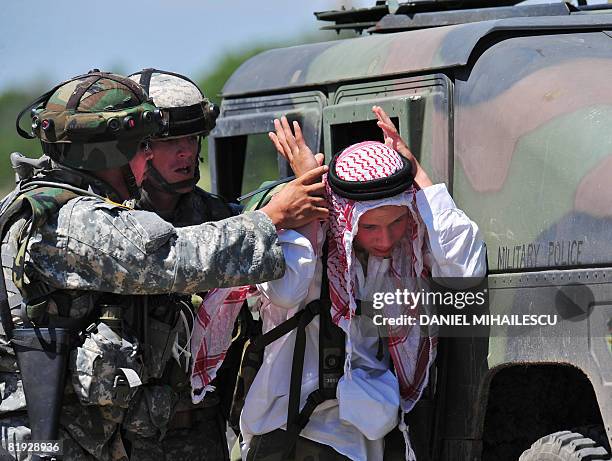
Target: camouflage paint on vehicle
[378, 56]
[515, 115]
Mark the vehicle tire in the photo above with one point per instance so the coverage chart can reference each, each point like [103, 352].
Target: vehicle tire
[595, 432]
[565, 446]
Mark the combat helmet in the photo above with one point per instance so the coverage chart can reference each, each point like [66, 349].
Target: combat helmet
[186, 112]
[94, 121]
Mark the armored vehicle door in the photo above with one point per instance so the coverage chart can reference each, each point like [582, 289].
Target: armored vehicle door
[241, 156]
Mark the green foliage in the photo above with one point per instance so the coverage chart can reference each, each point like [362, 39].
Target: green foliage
[11, 103]
[212, 84]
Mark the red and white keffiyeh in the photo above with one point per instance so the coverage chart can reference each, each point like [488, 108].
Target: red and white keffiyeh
[363, 162]
[212, 335]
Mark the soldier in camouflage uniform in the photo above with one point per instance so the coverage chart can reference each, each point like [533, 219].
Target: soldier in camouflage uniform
[167, 166]
[76, 260]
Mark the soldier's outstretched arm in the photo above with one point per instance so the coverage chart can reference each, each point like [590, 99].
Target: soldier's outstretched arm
[92, 245]
[95, 245]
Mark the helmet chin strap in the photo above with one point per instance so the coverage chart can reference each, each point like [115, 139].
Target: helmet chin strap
[156, 180]
[130, 182]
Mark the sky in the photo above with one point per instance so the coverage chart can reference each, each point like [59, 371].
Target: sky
[44, 42]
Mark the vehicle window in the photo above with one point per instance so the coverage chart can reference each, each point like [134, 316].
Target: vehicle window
[241, 155]
[242, 163]
[260, 162]
[345, 134]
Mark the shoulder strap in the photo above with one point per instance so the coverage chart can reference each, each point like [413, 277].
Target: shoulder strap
[5, 310]
[43, 202]
[331, 364]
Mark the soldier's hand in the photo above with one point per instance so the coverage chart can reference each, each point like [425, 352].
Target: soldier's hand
[293, 146]
[300, 202]
[395, 142]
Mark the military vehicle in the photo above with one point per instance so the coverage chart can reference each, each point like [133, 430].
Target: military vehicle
[511, 106]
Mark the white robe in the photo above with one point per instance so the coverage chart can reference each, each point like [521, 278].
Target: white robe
[454, 249]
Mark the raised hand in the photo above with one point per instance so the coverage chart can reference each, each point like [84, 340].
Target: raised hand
[394, 141]
[293, 146]
[390, 133]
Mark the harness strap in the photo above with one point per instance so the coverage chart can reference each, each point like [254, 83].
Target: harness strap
[277, 332]
[295, 384]
[79, 91]
[6, 319]
[328, 338]
[297, 420]
[145, 79]
[314, 399]
[331, 339]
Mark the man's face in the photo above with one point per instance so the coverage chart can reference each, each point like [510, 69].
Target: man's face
[380, 229]
[175, 159]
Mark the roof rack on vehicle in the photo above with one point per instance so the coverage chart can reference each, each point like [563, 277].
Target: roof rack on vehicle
[387, 17]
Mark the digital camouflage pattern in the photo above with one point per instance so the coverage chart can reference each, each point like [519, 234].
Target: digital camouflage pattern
[93, 409]
[171, 91]
[96, 364]
[514, 116]
[111, 249]
[186, 110]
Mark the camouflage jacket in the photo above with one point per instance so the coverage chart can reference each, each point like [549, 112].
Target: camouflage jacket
[91, 247]
[101, 246]
[193, 208]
